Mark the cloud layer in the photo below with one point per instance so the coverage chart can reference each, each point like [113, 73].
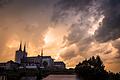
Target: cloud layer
[93, 28]
[23, 20]
[80, 28]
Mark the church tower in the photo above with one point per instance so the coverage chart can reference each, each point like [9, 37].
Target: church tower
[20, 55]
[42, 52]
[24, 51]
[20, 48]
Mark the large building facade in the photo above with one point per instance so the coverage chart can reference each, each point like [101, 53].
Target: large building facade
[34, 61]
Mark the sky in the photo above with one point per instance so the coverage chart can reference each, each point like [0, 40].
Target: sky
[68, 30]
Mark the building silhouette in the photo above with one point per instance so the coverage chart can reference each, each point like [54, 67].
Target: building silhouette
[40, 61]
[20, 54]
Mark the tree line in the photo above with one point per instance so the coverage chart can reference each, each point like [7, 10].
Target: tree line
[94, 69]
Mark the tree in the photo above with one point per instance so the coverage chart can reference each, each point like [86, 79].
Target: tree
[91, 69]
[99, 63]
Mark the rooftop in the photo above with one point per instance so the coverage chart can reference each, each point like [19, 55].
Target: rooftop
[59, 62]
[40, 56]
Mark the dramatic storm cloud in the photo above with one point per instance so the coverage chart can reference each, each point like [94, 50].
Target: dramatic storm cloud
[93, 28]
[110, 28]
[69, 30]
[23, 20]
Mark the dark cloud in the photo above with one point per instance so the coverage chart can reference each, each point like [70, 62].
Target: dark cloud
[64, 7]
[4, 2]
[85, 29]
[75, 34]
[84, 13]
[78, 4]
[69, 54]
[110, 28]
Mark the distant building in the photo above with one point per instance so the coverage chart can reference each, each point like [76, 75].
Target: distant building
[10, 65]
[2, 65]
[22, 61]
[38, 61]
[33, 62]
[59, 65]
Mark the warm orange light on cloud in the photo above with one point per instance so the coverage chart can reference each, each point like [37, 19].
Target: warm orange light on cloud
[54, 41]
[13, 42]
[67, 35]
[113, 66]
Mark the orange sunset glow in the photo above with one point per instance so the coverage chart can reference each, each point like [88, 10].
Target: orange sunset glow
[68, 31]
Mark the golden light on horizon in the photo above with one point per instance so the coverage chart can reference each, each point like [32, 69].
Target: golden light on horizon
[65, 31]
[13, 44]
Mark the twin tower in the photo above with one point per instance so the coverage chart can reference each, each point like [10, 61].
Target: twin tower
[20, 54]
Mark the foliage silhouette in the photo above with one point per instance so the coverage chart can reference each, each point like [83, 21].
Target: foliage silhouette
[93, 69]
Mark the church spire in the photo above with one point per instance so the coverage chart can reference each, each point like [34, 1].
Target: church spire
[42, 52]
[20, 48]
[24, 47]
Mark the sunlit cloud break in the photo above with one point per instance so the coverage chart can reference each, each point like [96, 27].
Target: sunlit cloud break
[69, 30]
